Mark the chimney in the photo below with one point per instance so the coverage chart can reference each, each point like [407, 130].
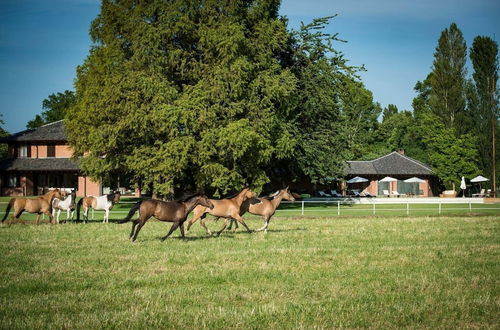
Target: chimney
[401, 152]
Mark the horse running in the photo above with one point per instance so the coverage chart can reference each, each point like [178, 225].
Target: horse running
[67, 205]
[38, 205]
[174, 211]
[101, 203]
[267, 206]
[228, 208]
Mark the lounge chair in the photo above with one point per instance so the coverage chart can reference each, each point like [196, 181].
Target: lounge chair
[367, 194]
[488, 193]
[395, 193]
[356, 193]
[335, 193]
[323, 194]
[481, 194]
[386, 193]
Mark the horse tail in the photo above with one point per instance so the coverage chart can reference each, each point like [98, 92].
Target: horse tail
[131, 212]
[9, 206]
[78, 207]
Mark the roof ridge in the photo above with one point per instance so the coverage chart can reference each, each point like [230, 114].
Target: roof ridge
[416, 161]
[54, 122]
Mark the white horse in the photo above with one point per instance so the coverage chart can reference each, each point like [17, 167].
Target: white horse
[68, 205]
[104, 203]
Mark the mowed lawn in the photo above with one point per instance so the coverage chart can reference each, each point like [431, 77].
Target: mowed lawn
[390, 272]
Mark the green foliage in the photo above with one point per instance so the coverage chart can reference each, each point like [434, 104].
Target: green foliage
[3, 132]
[447, 94]
[55, 108]
[389, 111]
[184, 94]
[484, 98]
[450, 156]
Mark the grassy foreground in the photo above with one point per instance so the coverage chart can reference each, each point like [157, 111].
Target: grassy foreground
[344, 272]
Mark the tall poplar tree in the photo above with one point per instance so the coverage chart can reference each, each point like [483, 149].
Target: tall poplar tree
[447, 97]
[484, 56]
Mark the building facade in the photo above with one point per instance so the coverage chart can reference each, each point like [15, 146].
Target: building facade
[398, 166]
[40, 159]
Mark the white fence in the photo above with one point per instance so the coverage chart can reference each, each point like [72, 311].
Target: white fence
[373, 206]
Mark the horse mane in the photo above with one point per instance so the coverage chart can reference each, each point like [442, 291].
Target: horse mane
[187, 198]
[111, 197]
[233, 195]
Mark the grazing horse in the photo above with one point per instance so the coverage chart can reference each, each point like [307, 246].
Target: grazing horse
[267, 206]
[227, 208]
[38, 205]
[104, 202]
[67, 205]
[174, 211]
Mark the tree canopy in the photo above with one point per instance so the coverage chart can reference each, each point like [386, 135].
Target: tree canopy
[55, 108]
[209, 94]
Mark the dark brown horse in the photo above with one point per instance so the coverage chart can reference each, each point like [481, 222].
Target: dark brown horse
[227, 208]
[267, 206]
[175, 211]
[38, 205]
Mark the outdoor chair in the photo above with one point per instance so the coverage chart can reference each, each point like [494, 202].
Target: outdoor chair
[386, 193]
[367, 194]
[488, 193]
[323, 194]
[481, 194]
[395, 193]
[335, 193]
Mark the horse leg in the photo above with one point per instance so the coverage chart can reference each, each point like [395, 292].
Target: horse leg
[202, 223]
[134, 223]
[174, 227]
[37, 218]
[223, 227]
[193, 220]
[266, 224]
[85, 214]
[16, 217]
[141, 223]
[181, 227]
[106, 216]
[240, 220]
[51, 218]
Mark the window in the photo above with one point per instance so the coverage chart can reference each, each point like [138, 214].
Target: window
[23, 151]
[12, 180]
[51, 150]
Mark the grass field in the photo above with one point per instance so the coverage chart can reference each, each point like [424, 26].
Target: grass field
[382, 272]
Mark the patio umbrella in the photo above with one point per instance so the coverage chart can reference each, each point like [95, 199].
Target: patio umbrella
[388, 179]
[463, 186]
[357, 179]
[414, 180]
[479, 178]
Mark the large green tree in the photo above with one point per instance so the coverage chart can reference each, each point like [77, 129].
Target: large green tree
[448, 80]
[184, 94]
[3, 132]
[55, 108]
[484, 56]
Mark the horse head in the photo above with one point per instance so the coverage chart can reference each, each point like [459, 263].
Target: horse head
[204, 201]
[248, 193]
[116, 197]
[287, 195]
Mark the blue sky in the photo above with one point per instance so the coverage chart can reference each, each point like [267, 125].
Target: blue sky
[42, 42]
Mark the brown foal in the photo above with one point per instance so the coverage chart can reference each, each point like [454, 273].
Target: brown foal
[39, 205]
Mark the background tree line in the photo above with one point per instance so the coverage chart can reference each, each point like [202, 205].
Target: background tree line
[219, 95]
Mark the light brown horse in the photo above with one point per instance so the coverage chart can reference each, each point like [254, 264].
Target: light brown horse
[104, 203]
[267, 206]
[175, 211]
[39, 205]
[228, 208]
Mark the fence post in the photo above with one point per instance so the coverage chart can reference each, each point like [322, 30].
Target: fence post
[338, 207]
[439, 207]
[407, 208]
[302, 207]
[470, 206]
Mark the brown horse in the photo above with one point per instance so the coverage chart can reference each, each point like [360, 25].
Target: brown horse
[38, 205]
[267, 206]
[175, 211]
[104, 203]
[227, 208]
